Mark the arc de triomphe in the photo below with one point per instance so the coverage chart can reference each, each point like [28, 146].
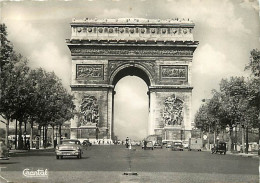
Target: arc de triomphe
[158, 51]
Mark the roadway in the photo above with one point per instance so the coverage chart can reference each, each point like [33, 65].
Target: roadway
[109, 163]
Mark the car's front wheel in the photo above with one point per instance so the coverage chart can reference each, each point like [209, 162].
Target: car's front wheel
[57, 157]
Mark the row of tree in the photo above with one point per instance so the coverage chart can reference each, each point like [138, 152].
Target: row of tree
[236, 103]
[30, 96]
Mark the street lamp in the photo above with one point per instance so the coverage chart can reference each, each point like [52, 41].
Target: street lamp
[24, 133]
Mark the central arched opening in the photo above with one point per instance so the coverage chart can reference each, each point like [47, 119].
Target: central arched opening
[131, 104]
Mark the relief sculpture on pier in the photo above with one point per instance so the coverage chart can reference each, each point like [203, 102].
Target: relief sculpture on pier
[89, 111]
[173, 111]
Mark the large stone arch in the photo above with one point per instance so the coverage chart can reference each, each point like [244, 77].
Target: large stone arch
[127, 68]
[158, 51]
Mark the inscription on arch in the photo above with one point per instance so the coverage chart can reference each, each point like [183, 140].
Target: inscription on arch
[89, 71]
[174, 72]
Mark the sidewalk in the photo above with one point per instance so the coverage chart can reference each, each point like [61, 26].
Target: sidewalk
[250, 154]
[12, 151]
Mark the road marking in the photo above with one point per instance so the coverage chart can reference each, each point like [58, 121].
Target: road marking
[3, 177]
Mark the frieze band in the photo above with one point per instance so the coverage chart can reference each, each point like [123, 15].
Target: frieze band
[132, 51]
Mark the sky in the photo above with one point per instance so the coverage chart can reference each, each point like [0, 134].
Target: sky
[226, 30]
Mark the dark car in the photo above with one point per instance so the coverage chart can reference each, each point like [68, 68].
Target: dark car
[220, 147]
[86, 143]
[147, 145]
[177, 146]
[69, 147]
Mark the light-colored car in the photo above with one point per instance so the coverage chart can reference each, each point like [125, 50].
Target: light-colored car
[149, 145]
[168, 145]
[185, 144]
[158, 145]
[4, 151]
[69, 147]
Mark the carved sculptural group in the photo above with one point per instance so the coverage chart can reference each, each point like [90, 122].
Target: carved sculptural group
[172, 113]
[89, 111]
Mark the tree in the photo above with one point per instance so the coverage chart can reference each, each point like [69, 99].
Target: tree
[53, 105]
[6, 48]
[254, 89]
[8, 59]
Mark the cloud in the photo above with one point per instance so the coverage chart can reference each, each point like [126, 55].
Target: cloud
[131, 108]
[35, 45]
[23, 33]
[50, 58]
[210, 62]
[215, 14]
[250, 4]
[114, 13]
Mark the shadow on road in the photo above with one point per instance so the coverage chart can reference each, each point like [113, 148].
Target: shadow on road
[8, 163]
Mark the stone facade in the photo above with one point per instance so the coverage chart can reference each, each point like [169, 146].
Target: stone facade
[158, 51]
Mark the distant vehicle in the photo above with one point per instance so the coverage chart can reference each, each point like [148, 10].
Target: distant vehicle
[149, 145]
[195, 144]
[185, 144]
[177, 146]
[4, 152]
[86, 143]
[69, 147]
[158, 145]
[168, 144]
[219, 147]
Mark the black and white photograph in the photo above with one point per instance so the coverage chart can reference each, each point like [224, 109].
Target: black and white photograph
[129, 91]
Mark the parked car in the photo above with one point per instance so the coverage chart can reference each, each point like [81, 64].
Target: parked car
[168, 144]
[185, 144]
[69, 147]
[4, 151]
[177, 146]
[86, 143]
[158, 145]
[219, 147]
[147, 145]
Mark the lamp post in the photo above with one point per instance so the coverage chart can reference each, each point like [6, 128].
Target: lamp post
[235, 140]
[24, 133]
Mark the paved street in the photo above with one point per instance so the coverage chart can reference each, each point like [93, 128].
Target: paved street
[108, 163]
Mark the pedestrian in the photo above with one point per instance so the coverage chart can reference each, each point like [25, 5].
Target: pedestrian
[28, 144]
[145, 144]
[126, 142]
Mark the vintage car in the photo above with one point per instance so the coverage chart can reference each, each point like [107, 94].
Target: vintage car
[220, 147]
[4, 151]
[69, 147]
[185, 144]
[86, 143]
[177, 146]
[158, 145]
[147, 145]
